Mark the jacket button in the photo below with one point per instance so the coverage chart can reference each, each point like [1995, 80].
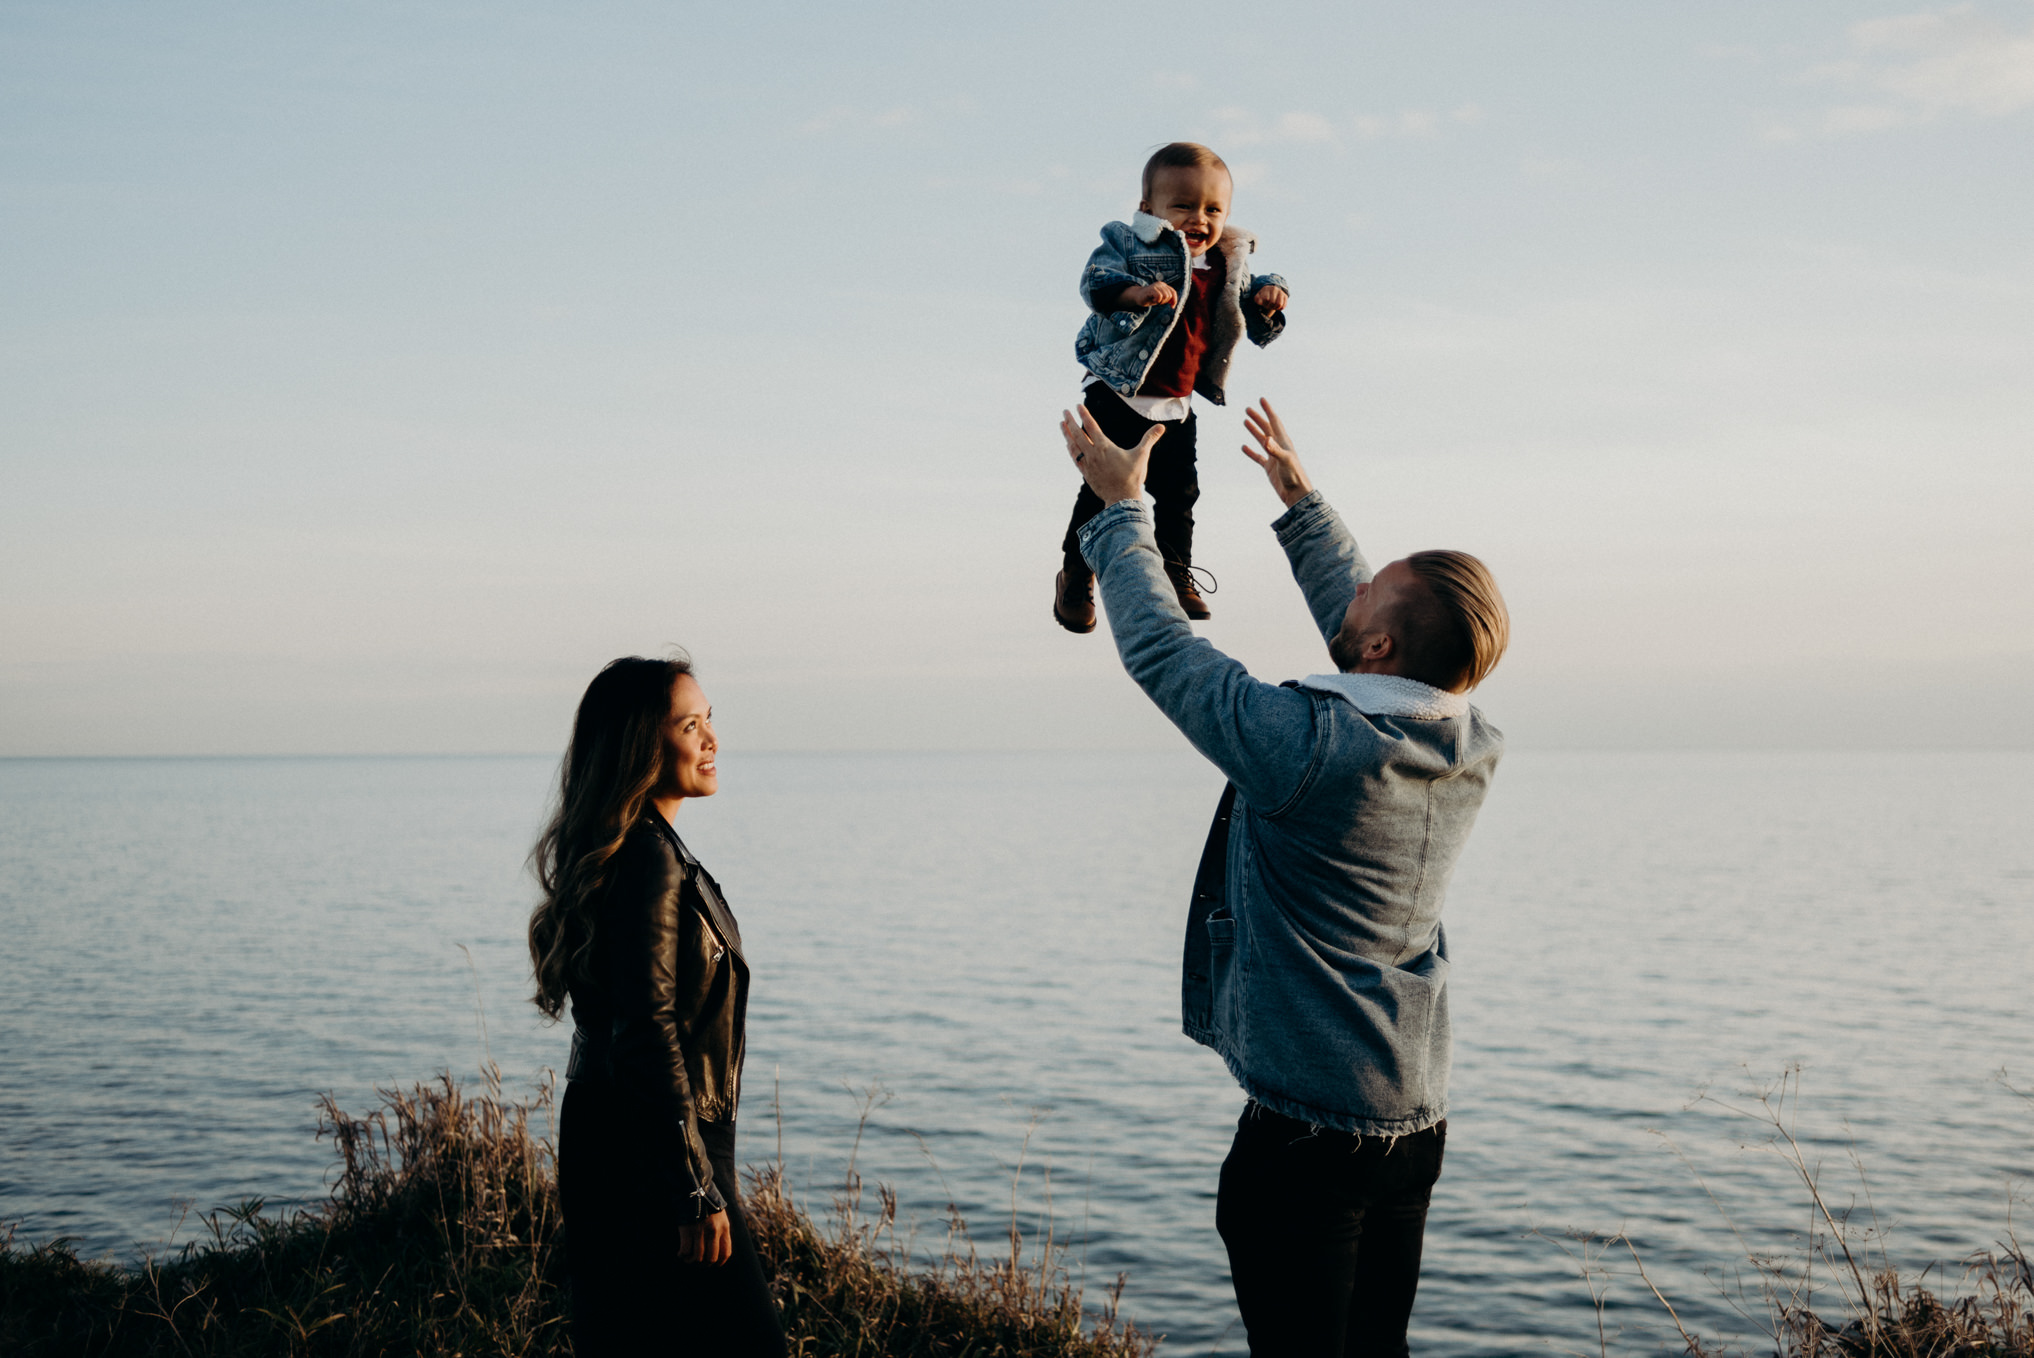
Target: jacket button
[1144, 353]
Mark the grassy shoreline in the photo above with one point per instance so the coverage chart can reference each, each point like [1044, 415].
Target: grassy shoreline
[442, 1236]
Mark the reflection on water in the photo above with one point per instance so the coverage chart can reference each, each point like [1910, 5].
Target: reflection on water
[197, 948]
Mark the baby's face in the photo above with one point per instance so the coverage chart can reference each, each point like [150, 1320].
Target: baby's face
[1194, 198]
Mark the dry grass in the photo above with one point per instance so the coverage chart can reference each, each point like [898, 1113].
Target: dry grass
[1839, 1295]
[858, 1287]
[441, 1236]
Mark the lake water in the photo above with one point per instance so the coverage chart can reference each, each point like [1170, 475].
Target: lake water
[197, 948]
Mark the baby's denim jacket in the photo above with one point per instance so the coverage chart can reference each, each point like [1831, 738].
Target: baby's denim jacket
[1121, 346]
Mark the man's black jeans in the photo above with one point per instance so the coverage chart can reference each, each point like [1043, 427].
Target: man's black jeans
[1171, 478]
[1324, 1230]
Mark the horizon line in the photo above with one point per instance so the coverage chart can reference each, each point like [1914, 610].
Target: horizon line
[813, 751]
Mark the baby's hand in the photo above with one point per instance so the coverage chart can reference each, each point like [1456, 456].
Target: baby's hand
[1148, 294]
[1271, 298]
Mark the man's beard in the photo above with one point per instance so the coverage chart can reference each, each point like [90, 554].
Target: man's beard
[1346, 650]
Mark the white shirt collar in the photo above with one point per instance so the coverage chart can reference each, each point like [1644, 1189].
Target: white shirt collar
[1390, 695]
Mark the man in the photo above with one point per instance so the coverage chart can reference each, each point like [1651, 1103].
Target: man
[1315, 960]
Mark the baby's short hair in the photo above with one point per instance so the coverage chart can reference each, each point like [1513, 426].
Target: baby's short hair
[1180, 155]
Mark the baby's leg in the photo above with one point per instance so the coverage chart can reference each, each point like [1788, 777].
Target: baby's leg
[1073, 591]
[1174, 483]
[1123, 427]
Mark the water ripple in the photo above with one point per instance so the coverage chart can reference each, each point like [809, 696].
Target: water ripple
[198, 948]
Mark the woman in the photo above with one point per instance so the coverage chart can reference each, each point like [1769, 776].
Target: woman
[634, 932]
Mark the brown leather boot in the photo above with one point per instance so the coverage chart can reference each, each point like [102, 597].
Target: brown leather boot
[1182, 577]
[1073, 600]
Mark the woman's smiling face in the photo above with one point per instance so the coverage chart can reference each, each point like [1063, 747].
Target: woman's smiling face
[1194, 198]
[689, 744]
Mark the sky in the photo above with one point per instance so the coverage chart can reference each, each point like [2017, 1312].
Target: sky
[372, 373]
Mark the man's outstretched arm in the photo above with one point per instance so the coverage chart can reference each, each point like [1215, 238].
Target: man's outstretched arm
[1325, 559]
[1258, 734]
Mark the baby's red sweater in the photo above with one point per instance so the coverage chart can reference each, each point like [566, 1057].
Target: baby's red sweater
[1179, 362]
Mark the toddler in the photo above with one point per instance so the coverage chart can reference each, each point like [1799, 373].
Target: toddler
[1171, 294]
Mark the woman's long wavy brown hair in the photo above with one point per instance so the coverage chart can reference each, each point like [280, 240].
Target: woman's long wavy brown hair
[614, 762]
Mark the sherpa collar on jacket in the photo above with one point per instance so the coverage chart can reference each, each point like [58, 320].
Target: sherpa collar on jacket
[1390, 695]
[1235, 243]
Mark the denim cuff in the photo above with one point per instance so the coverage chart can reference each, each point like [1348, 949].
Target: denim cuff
[1107, 280]
[1308, 512]
[1121, 512]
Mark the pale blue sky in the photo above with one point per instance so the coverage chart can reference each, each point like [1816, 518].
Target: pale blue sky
[373, 372]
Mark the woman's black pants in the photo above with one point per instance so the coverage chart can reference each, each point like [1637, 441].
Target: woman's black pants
[1324, 1231]
[1172, 478]
[631, 1294]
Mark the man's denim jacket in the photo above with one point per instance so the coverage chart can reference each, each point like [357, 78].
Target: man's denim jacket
[1119, 347]
[1316, 965]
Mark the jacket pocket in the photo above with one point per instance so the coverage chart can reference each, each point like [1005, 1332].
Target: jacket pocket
[1221, 967]
[1211, 944]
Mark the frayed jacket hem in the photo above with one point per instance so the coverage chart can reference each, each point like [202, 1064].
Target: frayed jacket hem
[1416, 1121]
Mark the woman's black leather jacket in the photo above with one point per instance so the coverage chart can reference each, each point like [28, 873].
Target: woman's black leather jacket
[661, 1013]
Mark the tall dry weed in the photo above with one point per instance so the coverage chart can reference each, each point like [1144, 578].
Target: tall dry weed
[1839, 1294]
[442, 1237]
[859, 1287]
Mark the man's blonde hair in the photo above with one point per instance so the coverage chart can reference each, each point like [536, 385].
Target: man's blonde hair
[1473, 627]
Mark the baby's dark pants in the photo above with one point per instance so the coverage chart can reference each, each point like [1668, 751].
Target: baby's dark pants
[1324, 1231]
[1171, 478]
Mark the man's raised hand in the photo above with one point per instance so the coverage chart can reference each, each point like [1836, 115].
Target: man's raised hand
[1112, 473]
[1280, 462]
